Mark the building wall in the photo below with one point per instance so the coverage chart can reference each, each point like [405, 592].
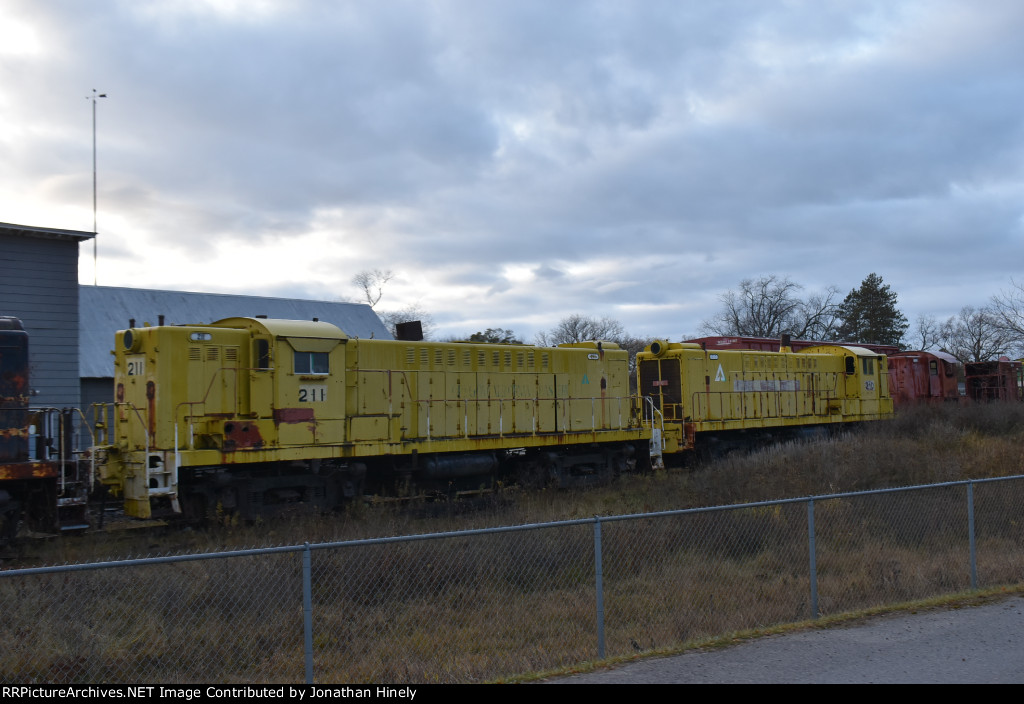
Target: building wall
[96, 391]
[39, 284]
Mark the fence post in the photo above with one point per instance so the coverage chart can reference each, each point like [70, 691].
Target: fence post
[599, 587]
[813, 559]
[307, 609]
[970, 534]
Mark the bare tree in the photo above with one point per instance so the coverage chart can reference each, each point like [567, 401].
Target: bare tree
[928, 332]
[818, 316]
[371, 283]
[632, 345]
[1008, 309]
[409, 313]
[580, 328]
[770, 306]
[974, 335]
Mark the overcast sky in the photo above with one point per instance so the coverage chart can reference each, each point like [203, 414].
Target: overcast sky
[513, 162]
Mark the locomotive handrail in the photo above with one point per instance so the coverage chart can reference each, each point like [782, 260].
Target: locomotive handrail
[535, 402]
[655, 413]
[562, 409]
[826, 393]
[132, 407]
[102, 434]
[189, 419]
[213, 378]
[92, 455]
[45, 415]
[38, 417]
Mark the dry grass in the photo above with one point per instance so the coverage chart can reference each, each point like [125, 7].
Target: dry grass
[483, 608]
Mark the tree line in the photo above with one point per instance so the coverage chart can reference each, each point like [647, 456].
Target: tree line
[771, 306]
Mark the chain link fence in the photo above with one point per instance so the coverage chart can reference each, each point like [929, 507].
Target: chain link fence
[484, 605]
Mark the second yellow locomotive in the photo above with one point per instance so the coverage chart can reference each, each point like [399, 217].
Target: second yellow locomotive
[703, 399]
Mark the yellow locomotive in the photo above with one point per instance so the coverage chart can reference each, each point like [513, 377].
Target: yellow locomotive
[258, 416]
[702, 399]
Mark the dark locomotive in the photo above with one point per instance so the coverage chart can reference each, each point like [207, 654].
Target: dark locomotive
[42, 483]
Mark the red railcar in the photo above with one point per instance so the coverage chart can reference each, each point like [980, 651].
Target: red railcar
[994, 381]
[923, 377]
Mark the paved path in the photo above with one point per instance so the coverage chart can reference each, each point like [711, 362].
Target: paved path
[975, 644]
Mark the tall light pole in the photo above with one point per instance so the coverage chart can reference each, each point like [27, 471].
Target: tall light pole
[95, 234]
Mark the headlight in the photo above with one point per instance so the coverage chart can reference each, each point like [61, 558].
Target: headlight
[129, 340]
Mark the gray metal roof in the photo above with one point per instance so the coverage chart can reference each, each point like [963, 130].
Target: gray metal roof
[44, 232]
[103, 310]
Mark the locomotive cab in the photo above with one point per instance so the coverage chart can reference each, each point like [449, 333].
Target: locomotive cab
[237, 393]
[865, 381]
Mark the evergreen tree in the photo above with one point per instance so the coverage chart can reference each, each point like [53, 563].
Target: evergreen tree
[869, 314]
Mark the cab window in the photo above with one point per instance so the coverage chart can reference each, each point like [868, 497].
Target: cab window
[311, 363]
[261, 349]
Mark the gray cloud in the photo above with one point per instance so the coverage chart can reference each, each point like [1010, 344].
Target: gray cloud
[626, 160]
